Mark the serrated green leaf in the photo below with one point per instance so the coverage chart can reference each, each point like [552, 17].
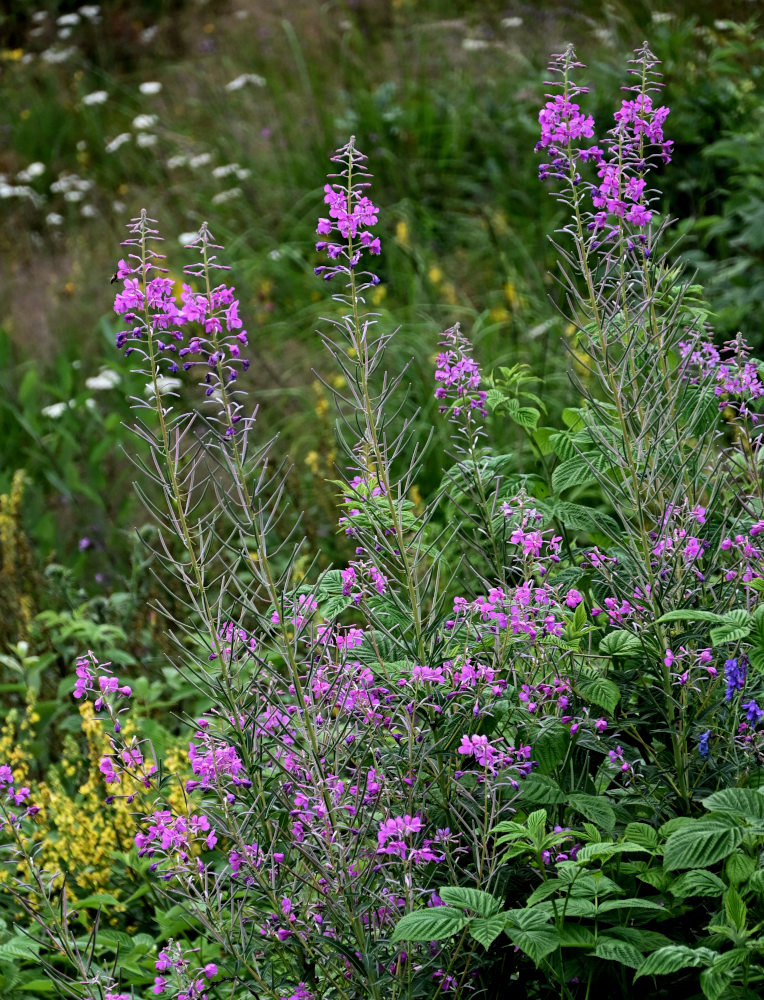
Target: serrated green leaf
[714, 982]
[629, 904]
[642, 833]
[485, 930]
[580, 471]
[529, 931]
[698, 882]
[739, 867]
[746, 802]
[550, 747]
[600, 691]
[621, 643]
[432, 924]
[702, 842]
[672, 958]
[480, 902]
[576, 936]
[618, 951]
[540, 789]
[735, 909]
[595, 808]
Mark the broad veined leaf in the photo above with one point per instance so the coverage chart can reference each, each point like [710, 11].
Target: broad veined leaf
[601, 691]
[621, 643]
[432, 924]
[595, 808]
[747, 802]
[703, 842]
[485, 930]
[618, 951]
[697, 882]
[672, 958]
[529, 931]
[480, 902]
[590, 852]
[580, 470]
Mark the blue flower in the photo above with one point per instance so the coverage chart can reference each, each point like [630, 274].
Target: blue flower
[703, 744]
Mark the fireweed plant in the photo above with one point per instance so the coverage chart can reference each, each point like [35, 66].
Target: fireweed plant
[480, 752]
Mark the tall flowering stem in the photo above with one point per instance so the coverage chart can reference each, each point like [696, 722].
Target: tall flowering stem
[350, 216]
[628, 306]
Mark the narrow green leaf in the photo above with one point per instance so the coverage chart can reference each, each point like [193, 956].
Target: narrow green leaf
[691, 615]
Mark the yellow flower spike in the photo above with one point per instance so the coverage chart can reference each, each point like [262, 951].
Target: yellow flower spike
[379, 294]
[435, 275]
[402, 233]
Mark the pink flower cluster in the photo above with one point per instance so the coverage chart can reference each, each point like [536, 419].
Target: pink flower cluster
[95, 680]
[350, 214]
[458, 376]
[395, 838]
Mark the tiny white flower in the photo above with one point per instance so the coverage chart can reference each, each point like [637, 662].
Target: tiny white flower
[164, 384]
[118, 207]
[201, 160]
[723, 25]
[242, 173]
[275, 255]
[67, 20]
[150, 87]
[117, 141]
[90, 403]
[107, 378]
[64, 33]
[224, 196]
[474, 44]
[661, 17]
[89, 212]
[74, 195]
[145, 121]
[91, 11]
[147, 35]
[225, 170]
[511, 22]
[145, 139]
[96, 97]
[55, 410]
[54, 219]
[176, 161]
[186, 239]
[244, 79]
[33, 170]
[39, 16]
[53, 56]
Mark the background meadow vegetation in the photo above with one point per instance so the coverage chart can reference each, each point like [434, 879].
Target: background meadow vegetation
[225, 111]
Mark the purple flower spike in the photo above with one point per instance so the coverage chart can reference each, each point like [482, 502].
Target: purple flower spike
[351, 213]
